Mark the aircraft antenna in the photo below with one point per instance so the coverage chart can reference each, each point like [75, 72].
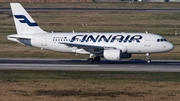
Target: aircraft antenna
[73, 31]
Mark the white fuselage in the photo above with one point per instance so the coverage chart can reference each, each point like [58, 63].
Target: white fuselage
[127, 42]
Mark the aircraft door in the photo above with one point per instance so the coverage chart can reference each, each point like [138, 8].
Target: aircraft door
[147, 41]
[44, 40]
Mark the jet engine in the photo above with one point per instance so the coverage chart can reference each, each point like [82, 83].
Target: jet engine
[115, 54]
[112, 54]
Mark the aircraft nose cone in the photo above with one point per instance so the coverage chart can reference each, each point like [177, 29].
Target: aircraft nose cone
[169, 46]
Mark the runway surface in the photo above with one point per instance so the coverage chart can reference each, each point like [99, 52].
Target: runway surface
[82, 65]
[94, 10]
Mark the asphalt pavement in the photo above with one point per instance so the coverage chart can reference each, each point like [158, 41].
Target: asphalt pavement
[82, 65]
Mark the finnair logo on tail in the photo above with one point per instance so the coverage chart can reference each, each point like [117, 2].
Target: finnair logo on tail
[25, 20]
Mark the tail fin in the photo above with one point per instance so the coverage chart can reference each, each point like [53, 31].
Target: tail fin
[23, 21]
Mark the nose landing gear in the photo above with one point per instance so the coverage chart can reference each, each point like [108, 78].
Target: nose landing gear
[148, 58]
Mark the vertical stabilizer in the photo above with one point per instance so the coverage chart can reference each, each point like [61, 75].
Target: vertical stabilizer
[23, 21]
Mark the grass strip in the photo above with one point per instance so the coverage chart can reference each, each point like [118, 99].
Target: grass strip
[88, 85]
[84, 75]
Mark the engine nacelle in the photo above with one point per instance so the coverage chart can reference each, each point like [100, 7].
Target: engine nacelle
[112, 54]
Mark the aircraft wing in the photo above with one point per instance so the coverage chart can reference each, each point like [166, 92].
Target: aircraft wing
[88, 48]
[80, 46]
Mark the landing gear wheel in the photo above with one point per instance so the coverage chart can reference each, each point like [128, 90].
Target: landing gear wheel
[90, 60]
[149, 61]
[97, 59]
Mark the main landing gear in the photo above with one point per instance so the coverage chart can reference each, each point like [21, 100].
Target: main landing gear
[90, 60]
[148, 58]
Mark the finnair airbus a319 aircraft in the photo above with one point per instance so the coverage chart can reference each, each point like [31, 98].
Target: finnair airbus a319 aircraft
[111, 46]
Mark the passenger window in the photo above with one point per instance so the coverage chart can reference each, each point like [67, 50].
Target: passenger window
[161, 40]
[158, 40]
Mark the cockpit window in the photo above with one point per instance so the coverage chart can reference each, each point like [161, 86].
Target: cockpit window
[161, 40]
[164, 39]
